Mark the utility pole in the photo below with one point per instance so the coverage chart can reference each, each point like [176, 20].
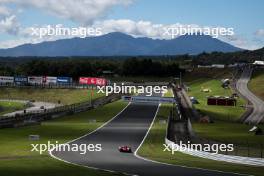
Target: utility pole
[180, 78]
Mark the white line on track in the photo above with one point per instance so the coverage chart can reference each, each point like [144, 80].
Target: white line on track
[135, 153]
[94, 168]
[158, 162]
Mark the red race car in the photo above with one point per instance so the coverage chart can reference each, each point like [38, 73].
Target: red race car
[125, 149]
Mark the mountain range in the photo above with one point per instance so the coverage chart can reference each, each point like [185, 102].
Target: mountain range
[120, 44]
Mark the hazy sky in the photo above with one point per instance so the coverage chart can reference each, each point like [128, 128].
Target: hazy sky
[135, 17]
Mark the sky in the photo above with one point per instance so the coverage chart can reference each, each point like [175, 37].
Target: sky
[140, 18]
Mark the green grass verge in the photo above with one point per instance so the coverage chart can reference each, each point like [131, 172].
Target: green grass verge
[228, 113]
[153, 149]
[17, 159]
[66, 96]
[44, 166]
[169, 93]
[210, 73]
[256, 84]
[245, 143]
[224, 129]
[7, 106]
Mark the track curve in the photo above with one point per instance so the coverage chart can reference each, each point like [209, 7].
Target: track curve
[128, 128]
[258, 105]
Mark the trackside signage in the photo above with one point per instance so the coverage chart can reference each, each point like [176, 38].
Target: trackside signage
[92, 81]
[64, 80]
[35, 79]
[49, 80]
[149, 99]
[6, 79]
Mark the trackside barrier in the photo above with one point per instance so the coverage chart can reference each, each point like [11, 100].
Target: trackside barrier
[50, 86]
[217, 157]
[42, 115]
[180, 130]
[75, 85]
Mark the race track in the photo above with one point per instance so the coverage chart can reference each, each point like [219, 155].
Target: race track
[242, 86]
[127, 128]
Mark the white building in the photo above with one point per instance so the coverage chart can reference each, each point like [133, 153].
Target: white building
[259, 63]
[218, 66]
[205, 66]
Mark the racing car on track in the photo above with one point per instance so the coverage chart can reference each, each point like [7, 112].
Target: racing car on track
[125, 149]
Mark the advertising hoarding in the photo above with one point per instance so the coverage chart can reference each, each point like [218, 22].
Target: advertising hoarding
[35, 79]
[146, 99]
[92, 81]
[49, 80]
[21, 80]
[64, 80]
[221, 101]
[6, 79]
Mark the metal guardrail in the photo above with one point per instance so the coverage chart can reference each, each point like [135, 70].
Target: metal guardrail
[245, 149]
[75, 85]
[49, 86]
[246, 160]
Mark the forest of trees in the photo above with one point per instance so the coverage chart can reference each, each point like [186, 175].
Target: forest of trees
[85, 67]
[123, 66]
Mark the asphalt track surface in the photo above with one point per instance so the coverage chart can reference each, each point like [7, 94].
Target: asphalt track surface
[258, 105]
[128, 128]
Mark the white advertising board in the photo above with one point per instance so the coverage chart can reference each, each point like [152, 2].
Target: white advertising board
[146, 99]
[50, 80]
[35, 79]
[6, 79]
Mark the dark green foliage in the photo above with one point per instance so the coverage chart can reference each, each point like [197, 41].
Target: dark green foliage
[94, 67]
[121, 65]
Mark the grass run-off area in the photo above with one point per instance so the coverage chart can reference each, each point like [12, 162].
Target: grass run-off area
[233, 133]
[153, 149]
[226, 113]
[225, 129]
[9, 106]
[256, 84]
[65, 96]
[210, 73]
[16, 157]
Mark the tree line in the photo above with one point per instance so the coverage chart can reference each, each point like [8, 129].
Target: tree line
[120, 65]
[85, 67]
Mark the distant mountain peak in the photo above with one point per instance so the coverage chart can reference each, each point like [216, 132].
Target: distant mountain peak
[117, 44]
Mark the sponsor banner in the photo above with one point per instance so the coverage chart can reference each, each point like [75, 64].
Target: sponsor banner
[92, 81]
[64, 80]
[49, 80]
[149, 99]
[6, 79]
[83, 80]
[35, 79]
[21, 79]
